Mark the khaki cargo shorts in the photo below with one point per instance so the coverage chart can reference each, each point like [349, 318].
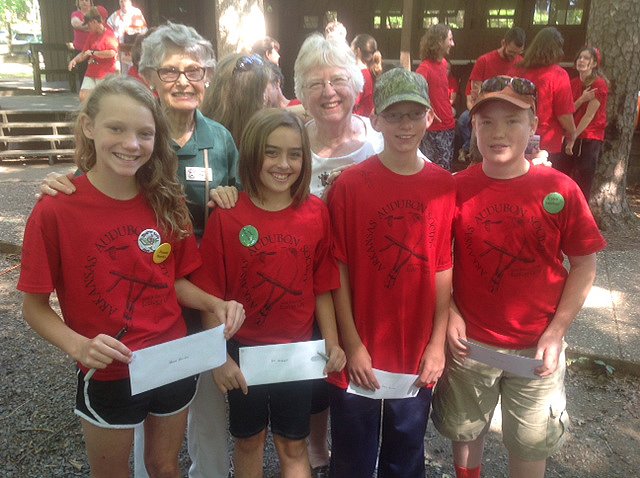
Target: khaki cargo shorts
[534, 416]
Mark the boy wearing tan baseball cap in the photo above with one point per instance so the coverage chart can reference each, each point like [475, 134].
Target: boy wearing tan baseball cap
[511, 293]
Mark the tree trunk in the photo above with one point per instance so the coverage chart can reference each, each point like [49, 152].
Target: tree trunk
[614, 28]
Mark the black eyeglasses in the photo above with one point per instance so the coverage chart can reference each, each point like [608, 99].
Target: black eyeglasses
[168, 75]
[522, 86]
[394, 117]
[247, 62]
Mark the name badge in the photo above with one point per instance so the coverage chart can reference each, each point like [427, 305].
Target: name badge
[198, 174]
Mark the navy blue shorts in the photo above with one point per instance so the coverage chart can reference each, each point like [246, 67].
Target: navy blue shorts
[285, 406]
[109, 404]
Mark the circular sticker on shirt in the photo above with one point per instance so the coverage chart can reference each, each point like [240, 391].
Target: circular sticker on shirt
[149, 240]
[249, 236]
[553, 203]
[161, 253]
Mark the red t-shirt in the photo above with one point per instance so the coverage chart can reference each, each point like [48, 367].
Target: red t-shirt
[79, 36]
[489, 65]
[85, 247]
[554, 99]
[595, 129]
[364, 104]
[98, 68]
[435, 72]
[508, 274]
[393, 233]
[277, 279]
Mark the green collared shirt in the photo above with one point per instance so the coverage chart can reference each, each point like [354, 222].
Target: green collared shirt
[223, 165]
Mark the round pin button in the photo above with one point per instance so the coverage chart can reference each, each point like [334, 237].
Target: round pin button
[161, 253]
[553, 203]
[149, 240]
[249, 236]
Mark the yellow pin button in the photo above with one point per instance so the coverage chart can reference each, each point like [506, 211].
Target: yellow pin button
[161, 253]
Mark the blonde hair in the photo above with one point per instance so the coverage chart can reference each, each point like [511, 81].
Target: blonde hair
[252, 150]
[157, 178]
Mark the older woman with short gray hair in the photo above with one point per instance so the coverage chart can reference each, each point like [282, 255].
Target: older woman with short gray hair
[177, 63]
[328, 82]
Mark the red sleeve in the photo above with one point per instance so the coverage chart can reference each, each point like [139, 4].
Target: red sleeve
[211, 277]
[326, 276]
[444, 247]
[477, 73]
[602, 90]
[336, 203]
[580, 235]
[40, 265]
[187, 257]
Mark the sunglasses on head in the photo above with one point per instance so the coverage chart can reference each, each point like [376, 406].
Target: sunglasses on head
[247, 62]
[521, 86]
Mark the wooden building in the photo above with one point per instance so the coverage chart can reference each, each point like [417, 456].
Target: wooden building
[397, 25]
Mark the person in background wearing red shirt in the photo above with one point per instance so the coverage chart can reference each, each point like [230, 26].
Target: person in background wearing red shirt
[495, 63]
[590, 91]
[80, 31]
[437, 144]
[100, 51]
[369, 59]
[555, 102]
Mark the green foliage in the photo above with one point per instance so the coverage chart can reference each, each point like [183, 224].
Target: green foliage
[11, 10]
[587, 363]
[607, 368]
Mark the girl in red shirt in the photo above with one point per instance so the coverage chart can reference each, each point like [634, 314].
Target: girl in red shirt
[590, 91]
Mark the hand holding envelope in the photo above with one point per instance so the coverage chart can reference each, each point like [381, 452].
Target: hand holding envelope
[283, 362]
[229, 377]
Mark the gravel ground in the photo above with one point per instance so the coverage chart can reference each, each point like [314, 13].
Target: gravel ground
[41, 436]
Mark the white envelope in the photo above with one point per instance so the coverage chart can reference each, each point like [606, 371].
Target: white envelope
[283, 362]
[515, 364]
[392, 385]
[165, 363]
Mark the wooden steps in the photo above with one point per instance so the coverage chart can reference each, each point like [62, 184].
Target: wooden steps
[28, 134]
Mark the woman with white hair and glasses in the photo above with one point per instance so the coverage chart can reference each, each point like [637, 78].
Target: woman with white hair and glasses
[177, 63]
[328, 82]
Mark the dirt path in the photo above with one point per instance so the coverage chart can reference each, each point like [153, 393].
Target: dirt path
[41, 436]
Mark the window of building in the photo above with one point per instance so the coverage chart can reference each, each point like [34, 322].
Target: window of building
[500, 14]
[450, 12]
[559, 12]
[390, 20]
[387, 15]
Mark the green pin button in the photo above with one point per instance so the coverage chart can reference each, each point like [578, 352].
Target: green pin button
[553, 203]
[249, 236]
